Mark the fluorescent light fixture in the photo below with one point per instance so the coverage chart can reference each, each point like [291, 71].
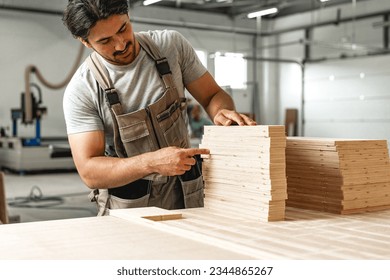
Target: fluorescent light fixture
[150, 2]
[263, 13]
[322, 1]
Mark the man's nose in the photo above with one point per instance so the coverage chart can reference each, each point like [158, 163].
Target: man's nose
[120, 43]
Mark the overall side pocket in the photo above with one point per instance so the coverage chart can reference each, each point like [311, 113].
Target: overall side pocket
[120, 203]
[193, 192]
[174, 128]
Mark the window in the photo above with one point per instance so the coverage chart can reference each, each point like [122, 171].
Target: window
[231, 70]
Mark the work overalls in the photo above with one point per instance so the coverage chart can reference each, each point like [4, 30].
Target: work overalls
[159, 125]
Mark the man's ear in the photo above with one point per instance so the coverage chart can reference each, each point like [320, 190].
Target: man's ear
[85, 43]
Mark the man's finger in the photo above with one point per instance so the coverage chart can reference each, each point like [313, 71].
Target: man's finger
[248, 120]
[196, 151]
[189, 161]
[233, 116]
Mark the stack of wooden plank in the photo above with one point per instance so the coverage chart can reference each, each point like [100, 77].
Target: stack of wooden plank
[246, 170]
[338, 175]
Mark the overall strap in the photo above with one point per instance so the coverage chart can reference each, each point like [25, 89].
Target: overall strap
[153, 51]
[100, 73]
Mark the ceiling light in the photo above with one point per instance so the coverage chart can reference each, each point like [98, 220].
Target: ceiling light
[263, 13]
[150, 2]
[322, 1]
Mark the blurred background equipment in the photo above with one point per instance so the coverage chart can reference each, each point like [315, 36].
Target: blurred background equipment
[31, 154]
[26, 154]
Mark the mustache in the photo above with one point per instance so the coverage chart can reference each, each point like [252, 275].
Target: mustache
[124, 50]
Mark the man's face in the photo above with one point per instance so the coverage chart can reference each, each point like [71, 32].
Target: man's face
[113, 39]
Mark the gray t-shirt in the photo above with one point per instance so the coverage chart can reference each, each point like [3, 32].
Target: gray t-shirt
[138, 85]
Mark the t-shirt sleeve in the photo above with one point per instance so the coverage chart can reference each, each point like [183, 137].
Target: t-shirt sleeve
[80, 112]
[190, 64]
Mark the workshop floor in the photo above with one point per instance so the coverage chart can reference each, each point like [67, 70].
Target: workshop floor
[41, 197]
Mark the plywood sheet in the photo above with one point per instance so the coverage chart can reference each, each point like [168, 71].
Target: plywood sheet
[122, 239]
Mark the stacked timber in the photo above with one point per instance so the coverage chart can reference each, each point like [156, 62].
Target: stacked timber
[246, 170]
[341, 176]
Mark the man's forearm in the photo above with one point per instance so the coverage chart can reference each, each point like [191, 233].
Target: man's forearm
[111, 172]
[221, 100]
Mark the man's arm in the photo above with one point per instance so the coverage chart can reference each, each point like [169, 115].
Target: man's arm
[99, 171]
[217, 103]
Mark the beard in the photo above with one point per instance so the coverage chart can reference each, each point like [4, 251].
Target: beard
[124, 57]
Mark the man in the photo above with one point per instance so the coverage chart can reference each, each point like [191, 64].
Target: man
[126, 127]
[197, 121]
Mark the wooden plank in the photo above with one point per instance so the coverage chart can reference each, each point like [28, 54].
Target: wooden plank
[334, 144]
[245, 190]
[241, 173]
[240, 164]
[245, 152]
[260, 142]
[150, 213]
[365, 209]
[231, 191]
[3, 201]
[315, 179]
[356, 192]
[274, 211]
[318, 206]
[266, 185]
[242, 160]
[258, 130]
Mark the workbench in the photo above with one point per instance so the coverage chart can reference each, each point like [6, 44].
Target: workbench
[202, 234]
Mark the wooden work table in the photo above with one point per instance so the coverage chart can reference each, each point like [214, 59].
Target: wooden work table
[102, 238]
[201, 233]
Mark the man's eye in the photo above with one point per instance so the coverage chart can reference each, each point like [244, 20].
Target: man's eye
[103, 42]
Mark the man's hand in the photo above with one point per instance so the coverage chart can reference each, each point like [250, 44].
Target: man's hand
[228, 117]
[171, 161]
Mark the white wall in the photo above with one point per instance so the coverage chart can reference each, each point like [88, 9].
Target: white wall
[348, 98]
[348, 106]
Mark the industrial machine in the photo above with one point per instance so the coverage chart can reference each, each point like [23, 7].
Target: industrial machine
[35, 154]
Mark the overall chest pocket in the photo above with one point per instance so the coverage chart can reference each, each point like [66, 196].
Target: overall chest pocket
[136, 133]
[173, 126]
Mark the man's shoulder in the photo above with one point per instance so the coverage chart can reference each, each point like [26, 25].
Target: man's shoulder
[160, 36]
[81, 80]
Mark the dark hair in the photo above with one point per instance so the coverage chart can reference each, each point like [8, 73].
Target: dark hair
[81, 15]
